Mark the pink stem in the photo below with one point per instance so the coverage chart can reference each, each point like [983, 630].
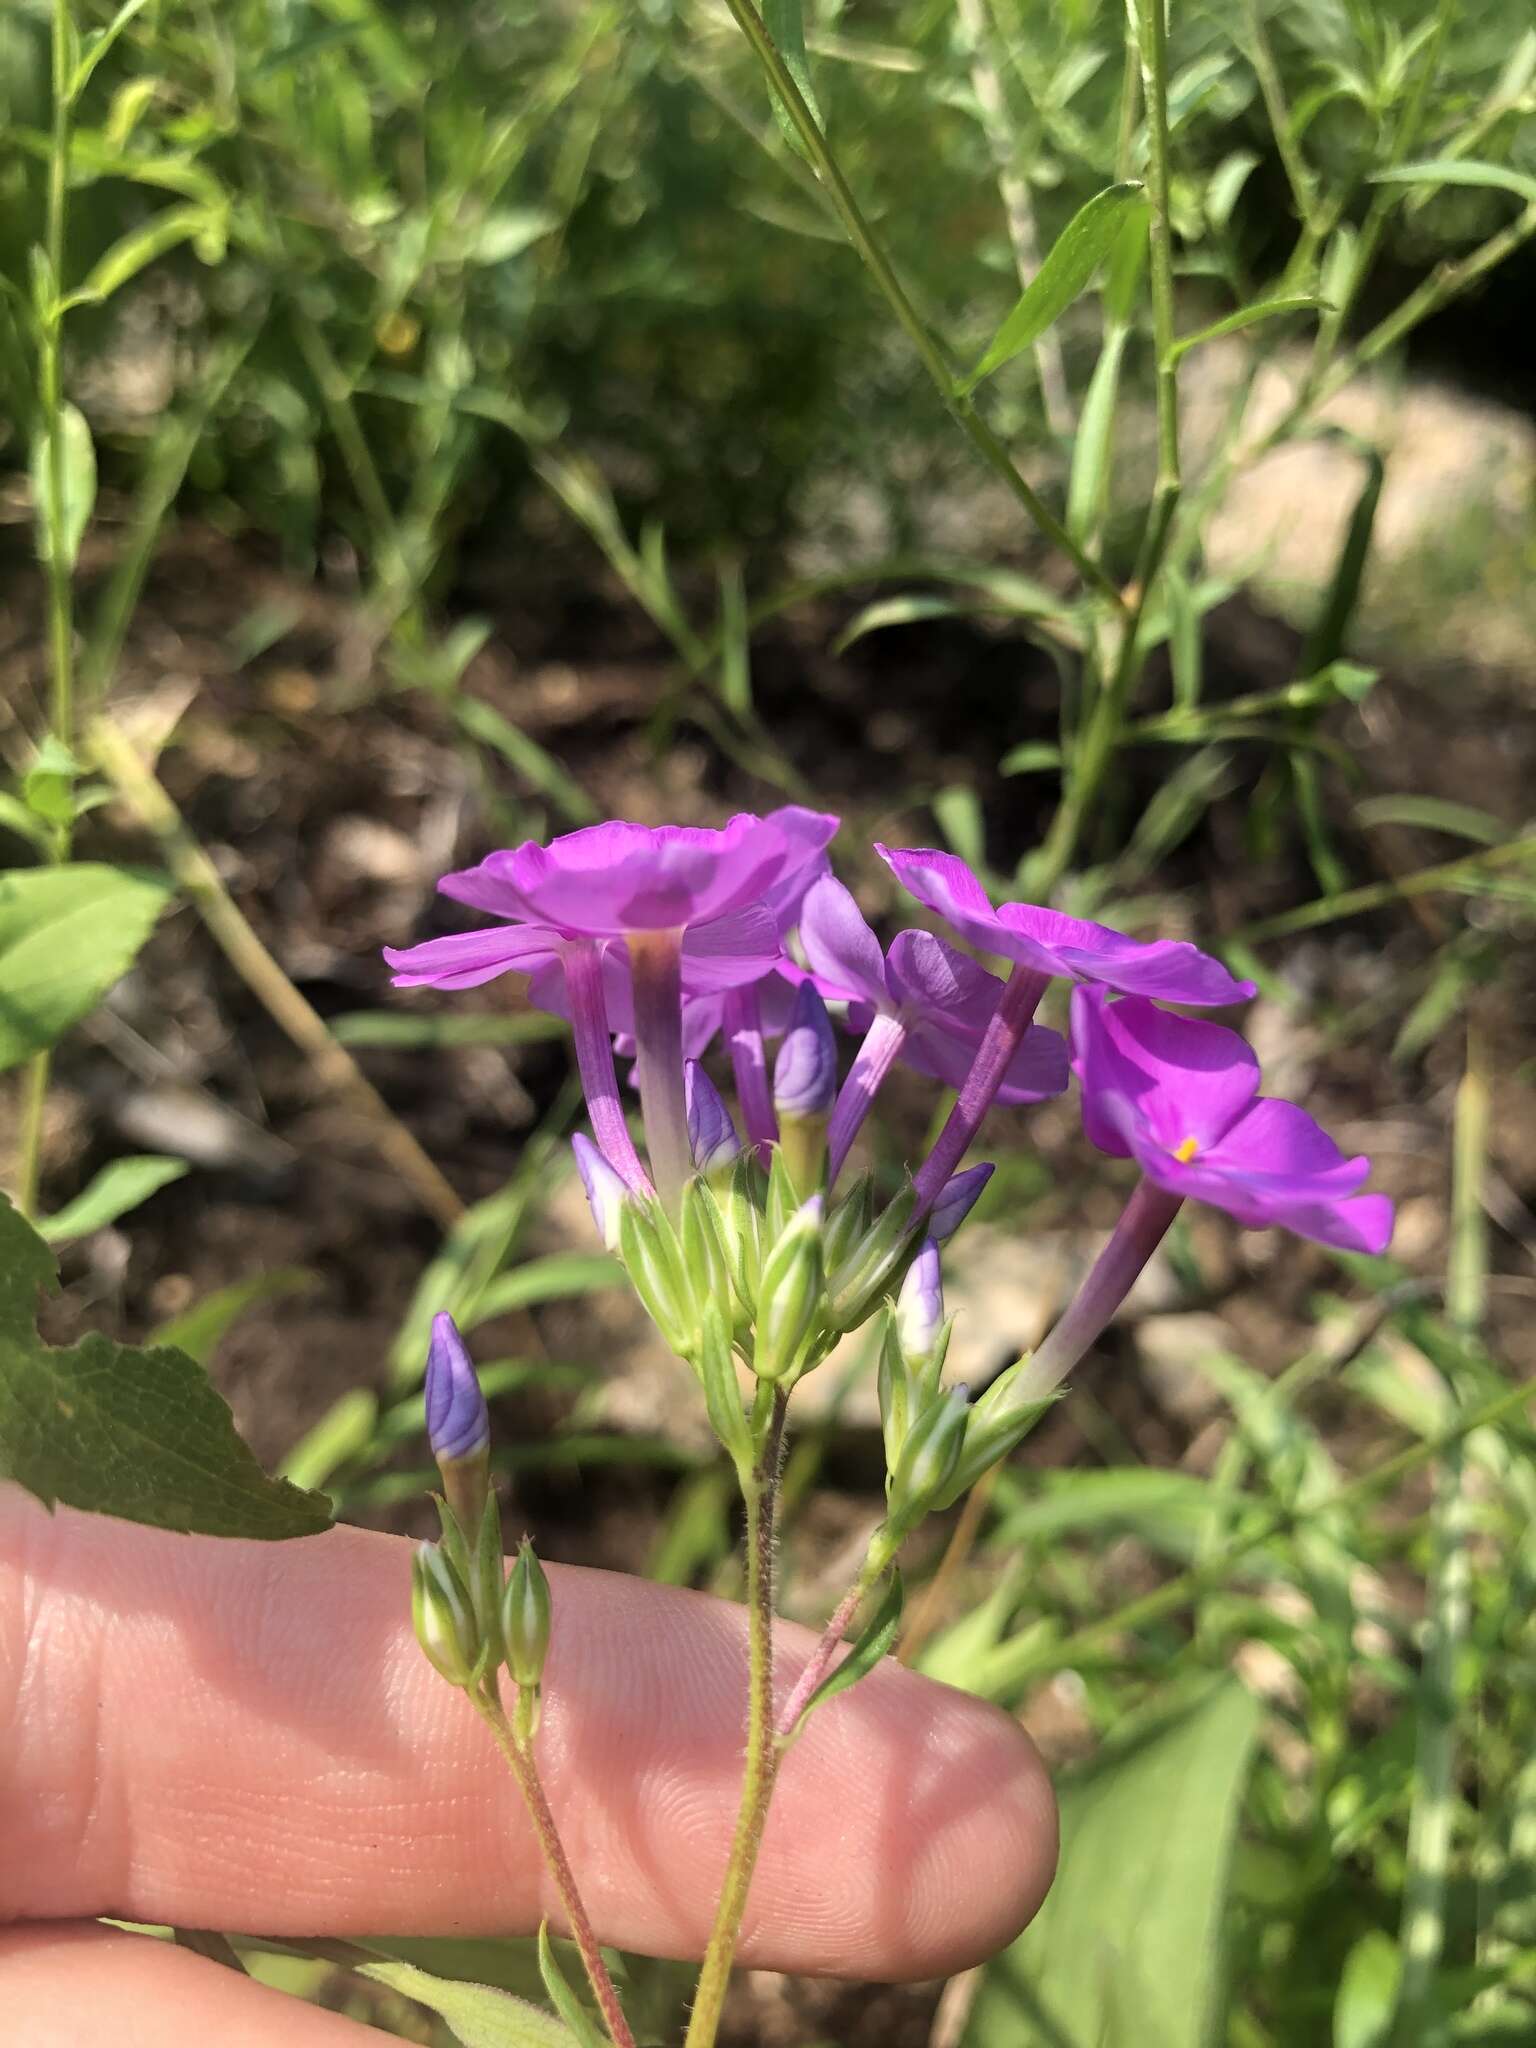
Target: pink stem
[821, 1657]
[749, 1064]
[1137, 1235]
[594, 1061]
[1015, 1010]
[871, 1063]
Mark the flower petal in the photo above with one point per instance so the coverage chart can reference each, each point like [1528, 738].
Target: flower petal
[1037, 1071]
[466, 959]
[1170, 969]
[1279, 1139]
[1185, 1079]
[844, 953]
[930, 978]
[945, 884]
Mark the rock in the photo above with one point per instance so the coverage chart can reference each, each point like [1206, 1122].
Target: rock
[1170, 1348]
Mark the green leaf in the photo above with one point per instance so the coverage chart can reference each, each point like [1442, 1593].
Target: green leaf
[65, 524]
[874, 1644]
[1460, 170]
[1434, 814]
[904, 610]
[1325, 642]
[119, 1187]
[411, 1033]
[67, 934]
[570, 2008]
[197, 1330]
[958, 811]
[343, 1433]
[555, 1277]
[1065, 274]
[785, 22]
[1246, 316]
[531, 761]
[132, 252]
[1030, 758]
[1093, 445]
[1126, 1946]
[96, 43]
[479, 2015]
[1227, 182]
[1366, 2003]
[124, 1431]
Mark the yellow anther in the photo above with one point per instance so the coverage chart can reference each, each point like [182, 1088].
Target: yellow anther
[1187, 1150]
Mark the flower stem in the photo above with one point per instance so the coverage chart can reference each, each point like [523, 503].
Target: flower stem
[520, 1760]
[1141, 1229]
[871, 1063]
[749, 1066]
[656, 964]
[594, 1061]
[831, 1639]
[762, 1762]
[1005, 1030]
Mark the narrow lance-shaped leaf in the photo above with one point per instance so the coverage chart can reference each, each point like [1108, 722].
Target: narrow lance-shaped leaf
[1065, 274]
[1246, 316]
[1457, 170]
[61, 517]
[479, 2015]
[785, 22]
[124, 1431]
[117, 1189]
[582, 2026]
[132, 252]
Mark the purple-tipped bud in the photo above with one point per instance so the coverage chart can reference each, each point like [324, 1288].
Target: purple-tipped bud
[957, 1198]
[712, 1136]
[457, 1424]
[805, 1072]
[606, 1192]
[920, 1305]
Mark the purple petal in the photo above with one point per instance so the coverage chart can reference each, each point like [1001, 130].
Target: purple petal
[805, 1072]
[1037, 1071]
[920, 1304]
[488, 887]
[1170, 969]
[605, 1189]
[1280, 1138]
[731, 951]
[457, 1423]
[1178, 1078]
[945, 884]
[1313, 1208]
[606, 880]
[930, 978]
[957, 1198]
[806, 836]
[466, 959]
[844, 953]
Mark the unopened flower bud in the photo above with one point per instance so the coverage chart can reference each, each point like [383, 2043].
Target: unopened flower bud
[789, 1297]
[849, 1220]
[525, 1617]
[722, 1390]
[653, 1260]
[894, 1386]
[712, 1135]
[443, 1615]
[458, 1427]
[805, 1072]
[706, 1260]
[606, 1192]
[929, 1456]
[957, 1198]
[867, 1272]
[920, 1305]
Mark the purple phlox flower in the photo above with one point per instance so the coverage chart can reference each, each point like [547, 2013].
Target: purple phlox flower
[1181, 1098]
[458, 1426]
[611, 880]
[805, 1072]
[923, 1001]
[712, 1135]
[957, 1198]
[1052, 943]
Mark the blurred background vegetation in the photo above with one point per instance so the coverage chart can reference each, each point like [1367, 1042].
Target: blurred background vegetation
[480, 425]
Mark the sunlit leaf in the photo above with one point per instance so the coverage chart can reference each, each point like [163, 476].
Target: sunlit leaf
[120, 1187]
[61, 516]
[66, 935]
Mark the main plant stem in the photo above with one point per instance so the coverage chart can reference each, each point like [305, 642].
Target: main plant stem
[59, 558]
[762, 1748]
[520, 1761]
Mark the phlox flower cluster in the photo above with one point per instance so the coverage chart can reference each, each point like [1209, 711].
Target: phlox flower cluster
[741, 1233]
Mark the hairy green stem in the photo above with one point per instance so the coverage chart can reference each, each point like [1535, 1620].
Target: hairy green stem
[762, 1758]
[858, 231]
[520, 1761]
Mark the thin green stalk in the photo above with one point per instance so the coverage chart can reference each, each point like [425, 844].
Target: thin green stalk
[858, 231]
[1451, 874]
[61, 593]
[200, 881]
[1090, 761]
[520, 1761]
[1298, 176]
[1431, 1821]
[762, 1758]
